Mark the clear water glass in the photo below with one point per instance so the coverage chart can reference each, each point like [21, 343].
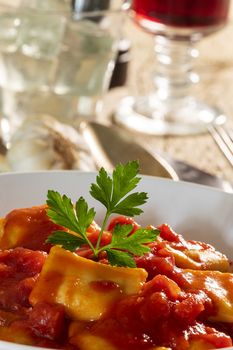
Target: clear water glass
[54, 60]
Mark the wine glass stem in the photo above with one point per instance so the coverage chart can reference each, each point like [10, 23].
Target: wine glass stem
[174, 76]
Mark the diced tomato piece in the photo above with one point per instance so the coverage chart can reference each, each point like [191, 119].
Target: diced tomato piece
[167, 233]
[192, 306]
[23, 260]
[210, 335]
[161, 283]
[105, 239]
[155, 307]
[47, 321]
[19, 269]
[158, 261]
[23, 290]
[94, 227]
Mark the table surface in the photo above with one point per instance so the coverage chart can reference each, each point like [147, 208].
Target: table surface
[215, 67]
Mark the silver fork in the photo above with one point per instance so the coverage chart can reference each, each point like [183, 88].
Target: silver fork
[224, 139]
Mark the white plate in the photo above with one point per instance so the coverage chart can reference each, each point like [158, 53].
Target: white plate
[196, 211]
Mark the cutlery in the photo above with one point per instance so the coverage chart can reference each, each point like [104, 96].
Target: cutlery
[224, 139]
[110, 145]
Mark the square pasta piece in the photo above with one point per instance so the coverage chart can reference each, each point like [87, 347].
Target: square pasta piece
[218, 286]
[87, 289]
[26, 227]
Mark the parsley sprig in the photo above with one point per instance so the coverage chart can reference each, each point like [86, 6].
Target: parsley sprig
[115, 194]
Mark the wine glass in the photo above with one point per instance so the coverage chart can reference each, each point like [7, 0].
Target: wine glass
[177, 25]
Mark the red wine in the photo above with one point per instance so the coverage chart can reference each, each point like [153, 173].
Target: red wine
[182, 13]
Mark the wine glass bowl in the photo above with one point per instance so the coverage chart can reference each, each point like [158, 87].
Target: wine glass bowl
[194, 16]
[177, 25]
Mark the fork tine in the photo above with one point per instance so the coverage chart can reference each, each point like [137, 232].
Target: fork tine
[230, 132]
[224, 140]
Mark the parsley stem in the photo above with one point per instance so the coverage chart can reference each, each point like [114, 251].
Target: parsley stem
[102, 231]
[104, 248]
[91, 245]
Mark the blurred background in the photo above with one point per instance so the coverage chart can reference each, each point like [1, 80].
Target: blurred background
[64, 62]
[215, 67]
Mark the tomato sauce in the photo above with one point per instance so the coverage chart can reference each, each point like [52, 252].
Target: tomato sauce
[164, 313]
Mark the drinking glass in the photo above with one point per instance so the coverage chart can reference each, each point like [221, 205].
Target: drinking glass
[177, 25]
[56, 58]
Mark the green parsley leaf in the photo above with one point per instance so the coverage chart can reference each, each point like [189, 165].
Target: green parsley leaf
[133, 243]
[119, 258]
[114, 193]
[111, 192]
[85, 216]
[61, 210]
[65, 239]
[124, 180]
[102, 190]
[121, 232]
[128, 206]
